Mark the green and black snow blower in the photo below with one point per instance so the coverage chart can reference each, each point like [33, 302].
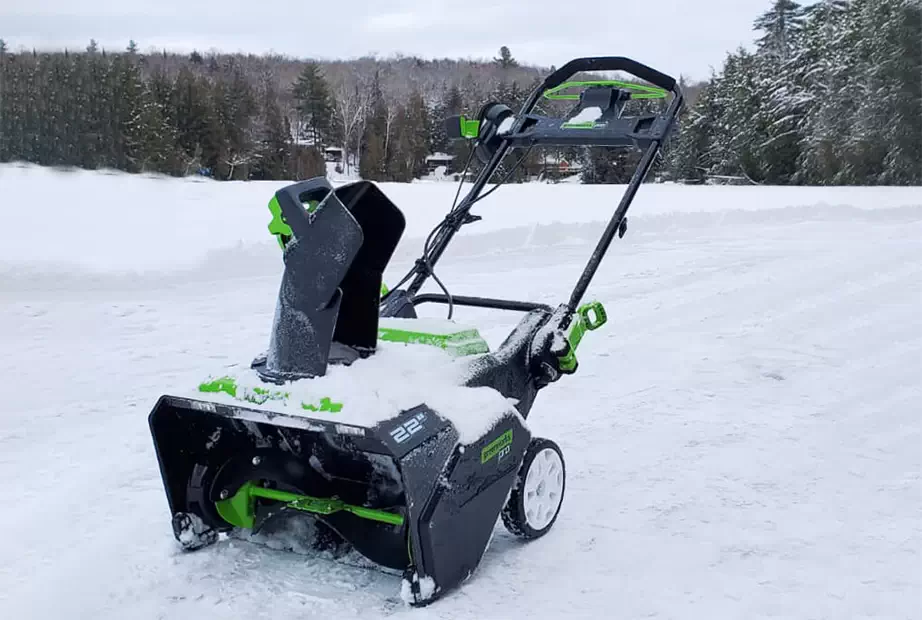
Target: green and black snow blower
[399, 437]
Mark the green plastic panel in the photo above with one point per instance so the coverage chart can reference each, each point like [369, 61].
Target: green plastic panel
[456, 340]
[257, 395]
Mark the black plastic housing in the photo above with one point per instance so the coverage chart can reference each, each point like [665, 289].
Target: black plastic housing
[331, 285]
[451, 497]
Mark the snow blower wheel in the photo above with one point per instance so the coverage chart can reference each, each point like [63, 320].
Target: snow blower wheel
[537, 496]
[418, 443]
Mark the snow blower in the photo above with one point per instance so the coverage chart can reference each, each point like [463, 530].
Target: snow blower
[399, 437]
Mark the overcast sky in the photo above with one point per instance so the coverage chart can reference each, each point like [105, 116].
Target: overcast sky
[675, 36]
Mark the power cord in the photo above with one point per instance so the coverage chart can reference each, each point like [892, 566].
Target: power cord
[452, 219]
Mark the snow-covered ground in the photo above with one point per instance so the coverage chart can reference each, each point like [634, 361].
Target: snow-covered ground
[743, 438]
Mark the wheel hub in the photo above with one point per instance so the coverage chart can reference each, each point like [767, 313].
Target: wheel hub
[543, 488]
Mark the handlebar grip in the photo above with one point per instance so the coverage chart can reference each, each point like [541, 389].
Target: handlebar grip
[610, 63]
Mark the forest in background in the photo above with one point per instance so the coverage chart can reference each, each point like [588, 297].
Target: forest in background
[830, 94]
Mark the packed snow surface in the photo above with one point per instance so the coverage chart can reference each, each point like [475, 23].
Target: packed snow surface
[742, 439]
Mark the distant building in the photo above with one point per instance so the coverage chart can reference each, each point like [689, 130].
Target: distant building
[550, 167]
[439, 160]
[333, 154]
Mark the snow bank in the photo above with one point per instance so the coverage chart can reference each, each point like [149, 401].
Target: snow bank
[112, 222]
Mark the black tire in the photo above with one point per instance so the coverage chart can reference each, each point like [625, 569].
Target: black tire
[519, 514]
[199, 525]
[198, 500]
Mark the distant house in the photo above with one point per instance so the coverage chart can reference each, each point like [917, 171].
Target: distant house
[551, 167]
[439, 160]
[333, 154]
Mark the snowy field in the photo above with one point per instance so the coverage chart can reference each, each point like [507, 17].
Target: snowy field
[743, 439]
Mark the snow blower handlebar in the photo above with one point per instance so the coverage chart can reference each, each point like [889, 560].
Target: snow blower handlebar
[610, 63]
[498, 129]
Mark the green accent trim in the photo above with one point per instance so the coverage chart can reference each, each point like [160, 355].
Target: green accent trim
[589, 317]
[325, 405]
[494, 447]
[470, 129]
[638, 91]
[240, 510]
[258, 395]
[224, 384]
[278, 226]
[384, 289]
[474, 347]
[461, 343]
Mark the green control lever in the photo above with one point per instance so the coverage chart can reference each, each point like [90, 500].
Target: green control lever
[589, 317]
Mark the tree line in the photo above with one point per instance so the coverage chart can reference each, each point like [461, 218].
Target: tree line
[830, 94]
[236, 116]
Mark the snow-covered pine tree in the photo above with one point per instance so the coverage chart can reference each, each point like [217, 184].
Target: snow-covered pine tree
[780, 26]
[778, 124]
[130, 120]
[737, 96]
[692, 155]
[888, 145]
[825, 68]
[6, 101]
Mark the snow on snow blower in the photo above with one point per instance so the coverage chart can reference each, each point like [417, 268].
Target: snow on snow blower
[399, 437]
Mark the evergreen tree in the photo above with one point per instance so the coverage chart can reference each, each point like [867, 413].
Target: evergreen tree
[412, 139]
[235, 105]
[8, 97]
[505, 59]
[274, 141]
[890, 111]
[824, 65]
[198, 130]
[153, 145]
[738, 98]
[780, 26]
[375, 162]
[692, 156]
[130, 116]
[94, 124]
[450, 103]
[314, 105]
